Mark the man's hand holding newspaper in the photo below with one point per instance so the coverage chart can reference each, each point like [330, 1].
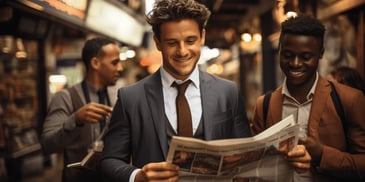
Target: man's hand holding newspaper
[245, 159]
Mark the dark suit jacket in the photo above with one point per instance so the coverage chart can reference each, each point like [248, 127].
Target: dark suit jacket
[343, 157]
[137, 132]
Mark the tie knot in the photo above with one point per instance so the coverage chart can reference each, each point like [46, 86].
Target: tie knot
[182, 87]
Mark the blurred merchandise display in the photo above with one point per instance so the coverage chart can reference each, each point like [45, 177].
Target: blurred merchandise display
[18, 97]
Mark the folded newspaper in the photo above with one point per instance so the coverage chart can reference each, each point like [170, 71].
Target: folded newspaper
[91, 160]
[254, 158]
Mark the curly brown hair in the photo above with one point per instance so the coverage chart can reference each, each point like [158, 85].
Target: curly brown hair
[175, 10]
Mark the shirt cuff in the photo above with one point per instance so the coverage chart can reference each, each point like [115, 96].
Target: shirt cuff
[133, 175]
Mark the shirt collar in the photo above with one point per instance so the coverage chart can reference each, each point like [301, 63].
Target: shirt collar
[167, 79]
[286, 92]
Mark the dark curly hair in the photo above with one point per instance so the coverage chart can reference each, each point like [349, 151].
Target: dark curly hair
[93, 48]
[174, 10]
[303, 25]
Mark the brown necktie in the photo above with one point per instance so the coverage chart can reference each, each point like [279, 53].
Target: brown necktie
[184, 122]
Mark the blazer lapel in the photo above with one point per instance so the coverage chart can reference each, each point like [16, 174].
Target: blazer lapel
[322, 92]
[155, 103]
[275, 107]
[207, 95]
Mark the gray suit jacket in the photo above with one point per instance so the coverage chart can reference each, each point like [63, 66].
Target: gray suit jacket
[60, 133]
[137, 132]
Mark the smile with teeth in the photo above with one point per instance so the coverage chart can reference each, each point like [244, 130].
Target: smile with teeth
[296, 73]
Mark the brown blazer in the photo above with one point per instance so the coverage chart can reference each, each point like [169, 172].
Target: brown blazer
[343, 158]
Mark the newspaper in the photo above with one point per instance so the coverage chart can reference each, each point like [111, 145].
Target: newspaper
[254, 158]
[92, 158]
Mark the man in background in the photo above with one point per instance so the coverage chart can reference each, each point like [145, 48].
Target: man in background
[72, 125]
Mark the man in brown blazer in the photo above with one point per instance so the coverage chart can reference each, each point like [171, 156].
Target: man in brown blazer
[337, 147]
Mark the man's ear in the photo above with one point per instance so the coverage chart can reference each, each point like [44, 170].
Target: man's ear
[157, 43]
[95, 63]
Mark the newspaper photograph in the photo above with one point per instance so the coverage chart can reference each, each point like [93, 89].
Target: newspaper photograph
[256, 158]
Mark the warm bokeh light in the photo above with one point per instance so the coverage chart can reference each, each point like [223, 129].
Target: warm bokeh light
[257, 37]
[291, 14]
[144, 62]
[216, 69]
[246, 37]
[126, 53]
[56, 83]
[208, 54]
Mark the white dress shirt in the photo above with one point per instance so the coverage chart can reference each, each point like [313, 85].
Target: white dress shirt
[301, 114]
[192, 95]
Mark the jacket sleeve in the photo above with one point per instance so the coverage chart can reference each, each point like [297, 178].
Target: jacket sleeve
[115, 164]
[59, 127]
[349, 164]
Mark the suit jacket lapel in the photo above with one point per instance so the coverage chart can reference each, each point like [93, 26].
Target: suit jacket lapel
[322, 92]
[155, 103]
[276, 107]
[207, 95]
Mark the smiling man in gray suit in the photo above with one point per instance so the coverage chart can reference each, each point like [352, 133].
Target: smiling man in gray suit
[144, 118]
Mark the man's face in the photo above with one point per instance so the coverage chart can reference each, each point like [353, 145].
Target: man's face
[180, 45]
[110, 65]
[299, 57]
